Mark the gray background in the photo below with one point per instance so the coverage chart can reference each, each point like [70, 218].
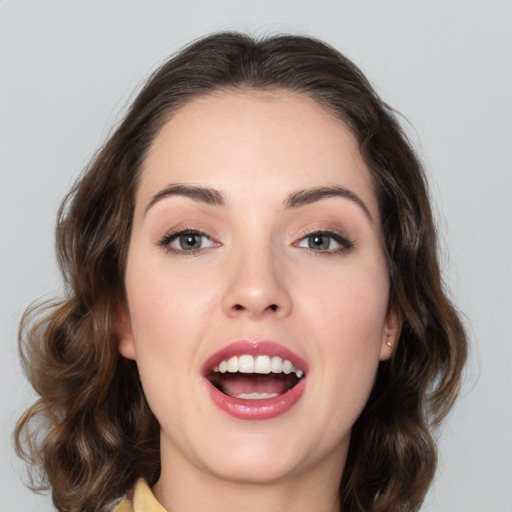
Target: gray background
[68, 68]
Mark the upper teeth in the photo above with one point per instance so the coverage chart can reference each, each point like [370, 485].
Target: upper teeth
[260, 364]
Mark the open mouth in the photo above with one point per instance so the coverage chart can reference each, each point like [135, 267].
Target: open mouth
[255, 380]
[258, 377]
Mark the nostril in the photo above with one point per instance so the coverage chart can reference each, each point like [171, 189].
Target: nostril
[239, 307]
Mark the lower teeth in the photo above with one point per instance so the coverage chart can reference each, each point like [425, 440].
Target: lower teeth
[256, 396]
[270, 385]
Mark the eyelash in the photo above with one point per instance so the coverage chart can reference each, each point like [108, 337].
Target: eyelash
[345, 244]
[169, 238]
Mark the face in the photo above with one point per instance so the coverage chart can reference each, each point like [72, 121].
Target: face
[257, 288]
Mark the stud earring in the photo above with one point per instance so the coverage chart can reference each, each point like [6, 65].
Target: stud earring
[389, 343]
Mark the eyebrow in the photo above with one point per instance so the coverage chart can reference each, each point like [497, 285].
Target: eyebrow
[297, 199]
[308, 196]
[197, 193]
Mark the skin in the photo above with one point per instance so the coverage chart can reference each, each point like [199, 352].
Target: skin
[255, 277]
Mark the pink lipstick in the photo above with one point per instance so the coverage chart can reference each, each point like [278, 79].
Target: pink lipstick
[255, 380]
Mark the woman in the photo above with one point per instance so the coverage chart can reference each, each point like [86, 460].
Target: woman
[255, 317]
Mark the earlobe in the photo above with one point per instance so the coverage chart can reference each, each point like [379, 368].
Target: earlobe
[125, 343]
[390, 335]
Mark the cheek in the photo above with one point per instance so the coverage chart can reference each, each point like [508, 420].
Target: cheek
[347, 312]
[162, 301]
[166, 310]
[351, 300]
[355, 346]
[159, 323]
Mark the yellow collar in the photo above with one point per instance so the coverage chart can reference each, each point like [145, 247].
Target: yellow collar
[143, 500]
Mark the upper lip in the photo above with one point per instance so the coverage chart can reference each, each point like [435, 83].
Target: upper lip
[254, 348]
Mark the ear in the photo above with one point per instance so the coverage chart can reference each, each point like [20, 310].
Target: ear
[125, 343]
[390, 335]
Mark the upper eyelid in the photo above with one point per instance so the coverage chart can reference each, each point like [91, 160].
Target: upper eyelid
[173, 234]
[321, 230]
[188, 229]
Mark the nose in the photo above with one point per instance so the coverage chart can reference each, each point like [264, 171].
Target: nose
[256, 286]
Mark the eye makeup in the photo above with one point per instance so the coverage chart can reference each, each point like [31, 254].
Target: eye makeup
[187, 241]
[325, 241]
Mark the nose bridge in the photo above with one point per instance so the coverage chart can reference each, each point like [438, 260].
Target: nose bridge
[257, 281]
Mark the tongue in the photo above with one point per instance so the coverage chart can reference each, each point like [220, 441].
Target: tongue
[235, 384]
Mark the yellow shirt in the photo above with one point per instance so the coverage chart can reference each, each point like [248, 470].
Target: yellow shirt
[141, 499]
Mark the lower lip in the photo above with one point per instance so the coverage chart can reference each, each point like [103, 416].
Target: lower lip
[264, 409]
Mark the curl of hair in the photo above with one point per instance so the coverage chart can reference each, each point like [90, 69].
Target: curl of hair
[92, 434]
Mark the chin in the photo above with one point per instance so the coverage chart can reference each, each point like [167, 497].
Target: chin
[263, 453]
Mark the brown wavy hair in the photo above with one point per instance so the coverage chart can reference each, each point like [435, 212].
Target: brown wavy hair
[91, 433]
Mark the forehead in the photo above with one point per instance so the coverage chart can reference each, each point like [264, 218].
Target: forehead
[268, 141]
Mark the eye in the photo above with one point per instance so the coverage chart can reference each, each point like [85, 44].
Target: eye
[325, 241]
[189, 241]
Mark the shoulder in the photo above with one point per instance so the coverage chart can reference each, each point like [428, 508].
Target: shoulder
[139, 499]
[126, 505]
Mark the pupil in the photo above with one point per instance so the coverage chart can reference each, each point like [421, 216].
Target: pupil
[190, 241]
[318, 242]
